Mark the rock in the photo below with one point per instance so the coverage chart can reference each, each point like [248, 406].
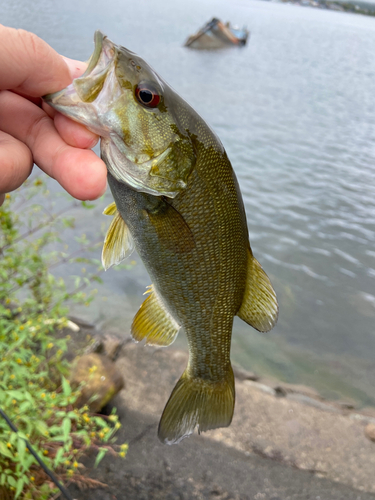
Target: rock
[369, 411]
[101, 377]
[307, 400]
[283, 389]
[261, 387]
[82, 323]
[346, 405]
[370, 432]
[72, 326]
[242, 374]
[109, 345]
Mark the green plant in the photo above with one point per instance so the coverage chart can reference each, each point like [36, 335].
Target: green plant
[34, 390]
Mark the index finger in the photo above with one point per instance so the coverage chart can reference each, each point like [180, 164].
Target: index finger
[30, 66]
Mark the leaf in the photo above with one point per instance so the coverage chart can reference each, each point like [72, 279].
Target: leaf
[41, 427]
[59, 457]
[5, 451]
[67, 390]
[19, 488]
[67, 425]
[100, 456]
[24, 406]
[59, 438]
[12, 481]
[22, 435]
[21, 448]
[29, 460]
[16, 395]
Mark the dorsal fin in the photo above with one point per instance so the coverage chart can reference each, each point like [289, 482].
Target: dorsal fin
[259, 306]
[118, 243]
[153, 322]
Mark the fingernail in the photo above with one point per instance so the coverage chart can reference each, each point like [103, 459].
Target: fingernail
[93, 142]
[76, 68]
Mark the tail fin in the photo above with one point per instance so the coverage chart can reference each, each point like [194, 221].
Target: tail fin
[197, 402]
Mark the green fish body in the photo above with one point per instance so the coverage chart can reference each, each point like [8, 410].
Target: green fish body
[177, 201]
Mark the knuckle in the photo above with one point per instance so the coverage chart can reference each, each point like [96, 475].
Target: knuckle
[31, 43]
[37, 127]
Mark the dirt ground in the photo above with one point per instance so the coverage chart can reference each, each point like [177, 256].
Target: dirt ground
[285, 442]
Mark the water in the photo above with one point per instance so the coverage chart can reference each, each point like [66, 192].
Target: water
[295, 111]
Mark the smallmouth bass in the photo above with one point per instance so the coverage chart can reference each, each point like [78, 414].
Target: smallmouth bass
[177, 201]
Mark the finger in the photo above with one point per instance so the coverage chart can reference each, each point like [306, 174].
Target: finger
[76, 68]
[79, 171]
[74, 133]
[30, 65]
[2, 199]
[48, 109]
[16, 163]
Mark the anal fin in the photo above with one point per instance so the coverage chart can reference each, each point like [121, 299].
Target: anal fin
[118, 243]
[154, 323]
[259, 306]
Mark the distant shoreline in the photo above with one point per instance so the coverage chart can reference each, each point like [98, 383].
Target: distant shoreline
[364, 8]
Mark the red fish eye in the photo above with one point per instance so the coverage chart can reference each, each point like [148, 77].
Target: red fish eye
[147, 95]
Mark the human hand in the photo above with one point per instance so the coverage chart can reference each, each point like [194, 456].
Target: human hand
[31, 131]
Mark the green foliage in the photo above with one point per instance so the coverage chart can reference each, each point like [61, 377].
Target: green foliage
[34, 390]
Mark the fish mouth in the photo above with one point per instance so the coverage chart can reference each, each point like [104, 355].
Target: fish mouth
[75, 100]
[95, 56]
[54, 97]
[86, 88]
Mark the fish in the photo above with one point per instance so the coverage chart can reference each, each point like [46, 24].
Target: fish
[177, 201]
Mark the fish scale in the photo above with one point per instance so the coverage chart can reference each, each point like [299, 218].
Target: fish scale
[177, 201]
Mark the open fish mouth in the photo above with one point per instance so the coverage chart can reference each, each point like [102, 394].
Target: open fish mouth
[95, 56]
[75, 101]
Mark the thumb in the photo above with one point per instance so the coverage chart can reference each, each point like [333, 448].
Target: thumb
[76, 68]
[30, 66]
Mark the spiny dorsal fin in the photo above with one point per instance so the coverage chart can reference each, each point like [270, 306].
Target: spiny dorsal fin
[118, 243]
[259, 306]
[197, 402]
[153, 322]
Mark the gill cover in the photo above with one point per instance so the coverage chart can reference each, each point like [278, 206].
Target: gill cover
[122, 99]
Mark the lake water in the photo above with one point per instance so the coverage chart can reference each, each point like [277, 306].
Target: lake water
[295, 111]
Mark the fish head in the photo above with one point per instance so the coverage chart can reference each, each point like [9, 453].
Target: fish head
[139, 117]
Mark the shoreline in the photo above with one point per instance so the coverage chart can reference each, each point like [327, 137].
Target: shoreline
[274, 425]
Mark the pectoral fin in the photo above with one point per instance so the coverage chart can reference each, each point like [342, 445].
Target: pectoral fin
[118, 243]
[172, 229]
[153, 322]
[259, 306]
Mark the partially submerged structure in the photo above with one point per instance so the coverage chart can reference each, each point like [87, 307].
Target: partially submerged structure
[216, 35]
